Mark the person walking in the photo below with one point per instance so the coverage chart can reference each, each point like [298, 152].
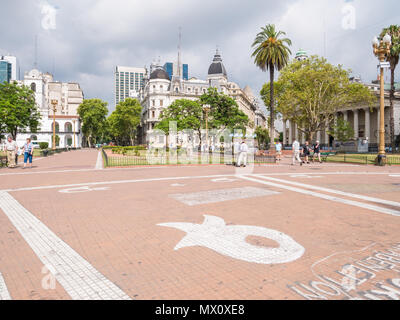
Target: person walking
[317, 151]
[11, 150]
[278, 149]
[243, 149]
[28, 152]
[296, 152]
[306, 153]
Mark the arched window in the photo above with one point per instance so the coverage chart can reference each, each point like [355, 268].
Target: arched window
[33, 137]
[33, 87]
[57, 127]
[68, 127]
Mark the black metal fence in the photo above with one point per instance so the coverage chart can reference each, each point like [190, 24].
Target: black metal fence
[168, 159]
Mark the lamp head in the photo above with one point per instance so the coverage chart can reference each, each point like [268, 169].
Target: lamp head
[387, 39]
[375, 42]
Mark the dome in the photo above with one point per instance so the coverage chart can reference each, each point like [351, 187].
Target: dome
[217, 67]
[159, 73]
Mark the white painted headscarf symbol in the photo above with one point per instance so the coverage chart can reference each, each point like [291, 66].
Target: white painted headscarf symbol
[231, 241]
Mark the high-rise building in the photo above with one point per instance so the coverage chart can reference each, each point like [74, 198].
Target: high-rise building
[14, 66]
[171, 69]
[128, 82]
[5, 71]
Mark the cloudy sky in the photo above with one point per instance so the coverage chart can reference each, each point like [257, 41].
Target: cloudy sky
[88, 38]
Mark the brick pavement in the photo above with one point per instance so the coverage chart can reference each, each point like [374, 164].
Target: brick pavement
[107, 226]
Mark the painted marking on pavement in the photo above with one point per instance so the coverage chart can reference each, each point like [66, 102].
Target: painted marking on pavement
[4, 294]
[83, 189]
[231, 241]
[326, 197]
[99, 162]
[111, 182]
[177, 185]
[395, 175]
[214, 196]
[305, 176]
[224, 180]
[78, 277]
[347, 194]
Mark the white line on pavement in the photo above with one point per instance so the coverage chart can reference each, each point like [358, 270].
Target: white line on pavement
[326, 197]
[4, 294]
[347, 194]
[113, 182]
[99, 162]
[77, 276]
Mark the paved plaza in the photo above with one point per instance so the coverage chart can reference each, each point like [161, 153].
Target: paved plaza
[72, 230]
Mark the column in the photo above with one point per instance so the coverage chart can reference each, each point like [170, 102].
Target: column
[318, 136]
[355, 123]
[367, 123]
[296, 132]
[290, 132]
[326, 137]
[284, 132]
[345, 117]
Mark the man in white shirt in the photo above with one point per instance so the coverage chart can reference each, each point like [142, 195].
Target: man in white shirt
[11, 150]
[243, 149]
[296, 152]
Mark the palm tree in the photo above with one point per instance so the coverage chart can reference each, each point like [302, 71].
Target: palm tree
[270, 53]
[393, 58]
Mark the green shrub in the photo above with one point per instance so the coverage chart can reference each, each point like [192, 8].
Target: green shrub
[43, 145]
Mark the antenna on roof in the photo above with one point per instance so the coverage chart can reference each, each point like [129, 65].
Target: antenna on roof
[179, 52]
[35, 62]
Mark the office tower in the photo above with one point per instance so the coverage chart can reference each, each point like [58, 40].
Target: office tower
[128, 82]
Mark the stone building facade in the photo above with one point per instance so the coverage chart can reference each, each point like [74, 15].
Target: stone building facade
[160, 91]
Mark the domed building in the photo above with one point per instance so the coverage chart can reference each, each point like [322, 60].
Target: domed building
[160, 91]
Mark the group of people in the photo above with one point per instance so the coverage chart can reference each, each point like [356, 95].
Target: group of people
[12, 150]
[306, 152]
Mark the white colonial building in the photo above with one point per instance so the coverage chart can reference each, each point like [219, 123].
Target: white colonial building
[160, 91]
[69, 96]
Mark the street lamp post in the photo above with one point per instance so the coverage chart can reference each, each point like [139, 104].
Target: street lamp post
[381, 50]
[54, 102]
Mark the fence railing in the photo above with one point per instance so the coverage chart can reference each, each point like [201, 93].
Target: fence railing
[362, 159]
[166, 159]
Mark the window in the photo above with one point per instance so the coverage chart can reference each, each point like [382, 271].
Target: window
[161, 103]
[153, 103]
[33, 87]
[153, 114]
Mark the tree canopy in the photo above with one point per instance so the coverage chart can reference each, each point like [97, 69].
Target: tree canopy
[310, 92]
[18, 109]
[224, 111]
[124, 121]
[92, 113]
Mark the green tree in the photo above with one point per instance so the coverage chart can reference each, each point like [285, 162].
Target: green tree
[188, 114]
[124, 121]
[313, 90]
[262, 137]
[92, 113]
[18, 109]
[271, 52]
[342, 130]
[224, 111]
[393, 58]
